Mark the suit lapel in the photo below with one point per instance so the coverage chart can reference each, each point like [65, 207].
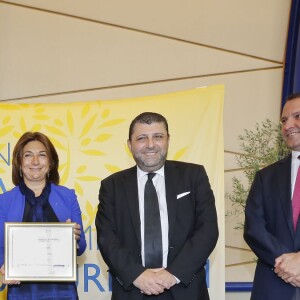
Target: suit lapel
[284, 184]
[131, 195]
[132, 198]
[171, 180]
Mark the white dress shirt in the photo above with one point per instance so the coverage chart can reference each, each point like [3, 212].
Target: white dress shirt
[159, 184]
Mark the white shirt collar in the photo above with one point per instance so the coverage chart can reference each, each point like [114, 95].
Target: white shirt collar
[142, 173]
[295, 155]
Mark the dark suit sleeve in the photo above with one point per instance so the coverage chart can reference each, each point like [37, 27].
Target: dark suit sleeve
[123, 263]
[265, 223]
[195, 226]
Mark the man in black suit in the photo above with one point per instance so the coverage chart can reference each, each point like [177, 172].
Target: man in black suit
[187, 214]
[270, 228]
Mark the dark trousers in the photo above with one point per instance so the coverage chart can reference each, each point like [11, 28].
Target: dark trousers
[297, 294]
[166, 295]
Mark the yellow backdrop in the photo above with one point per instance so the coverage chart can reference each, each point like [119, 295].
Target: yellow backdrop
[90, 138]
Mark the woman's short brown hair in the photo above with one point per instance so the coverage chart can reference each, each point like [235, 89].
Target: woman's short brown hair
[51, 152]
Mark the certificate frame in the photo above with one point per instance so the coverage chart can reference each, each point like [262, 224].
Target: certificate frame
[40, 252]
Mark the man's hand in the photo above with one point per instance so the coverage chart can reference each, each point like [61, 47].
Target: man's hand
[154, 281]
[166, 279]
[287, 265]
[288, 269]
[294, 281]
[148, 284]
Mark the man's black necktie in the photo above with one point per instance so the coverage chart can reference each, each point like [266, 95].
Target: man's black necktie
[152, 234]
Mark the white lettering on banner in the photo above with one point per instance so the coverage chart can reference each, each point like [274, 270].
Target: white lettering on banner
[2, 158]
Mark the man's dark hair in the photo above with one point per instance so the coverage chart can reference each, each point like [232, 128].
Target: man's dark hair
[148, 118]
[293, 96]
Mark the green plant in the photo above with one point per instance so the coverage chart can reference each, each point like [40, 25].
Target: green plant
[260, 147]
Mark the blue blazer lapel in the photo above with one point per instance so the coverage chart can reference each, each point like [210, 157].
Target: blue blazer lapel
[131, 196]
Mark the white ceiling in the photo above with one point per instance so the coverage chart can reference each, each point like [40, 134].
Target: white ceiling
[54, 47]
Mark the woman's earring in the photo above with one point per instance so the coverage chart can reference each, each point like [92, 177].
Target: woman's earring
[48, 173]
[21, 174]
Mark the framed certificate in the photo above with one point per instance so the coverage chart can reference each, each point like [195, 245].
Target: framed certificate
[40, 252]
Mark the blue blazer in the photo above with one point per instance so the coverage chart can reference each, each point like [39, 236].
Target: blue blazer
[62, 200]
[269, 228]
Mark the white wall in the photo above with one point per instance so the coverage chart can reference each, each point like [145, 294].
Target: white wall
[83, 50]
[237, 296]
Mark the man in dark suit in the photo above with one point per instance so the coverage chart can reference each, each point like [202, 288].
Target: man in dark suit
[187, 214]
[270, 229]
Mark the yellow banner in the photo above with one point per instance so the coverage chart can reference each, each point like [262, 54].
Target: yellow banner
[90, 138]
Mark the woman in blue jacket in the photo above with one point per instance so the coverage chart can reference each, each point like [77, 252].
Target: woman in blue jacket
[37, 197]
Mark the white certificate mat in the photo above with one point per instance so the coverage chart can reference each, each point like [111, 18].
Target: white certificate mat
[40, 252]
